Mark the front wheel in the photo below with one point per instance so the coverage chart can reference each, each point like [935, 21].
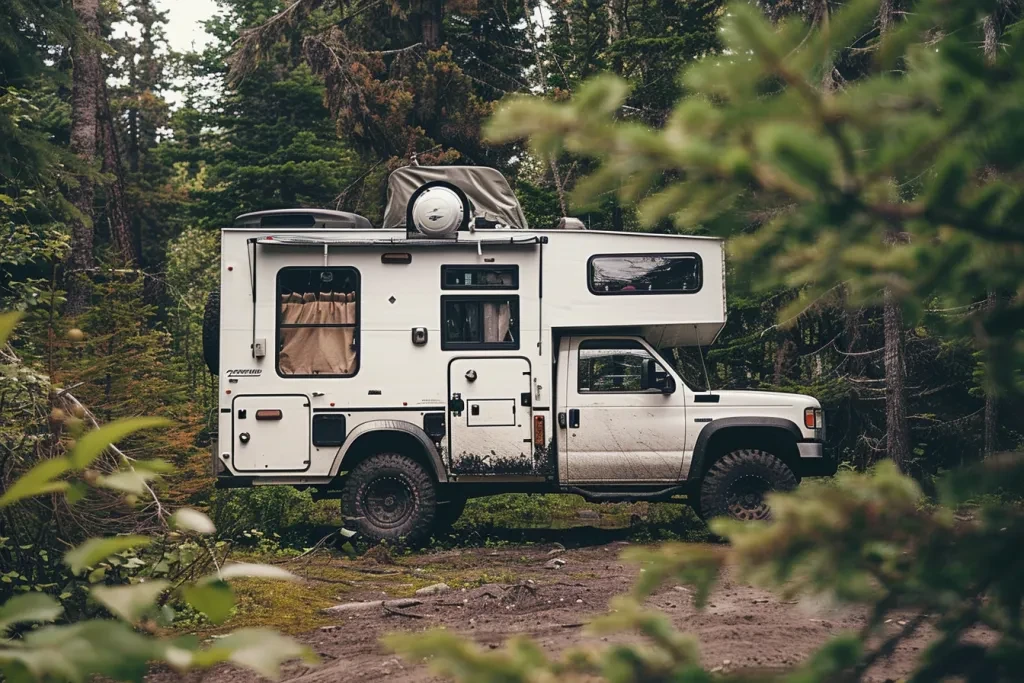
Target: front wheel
[390, 497]
[737, 485]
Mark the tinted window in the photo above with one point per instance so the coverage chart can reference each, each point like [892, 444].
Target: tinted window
[479, 277]
[480, 322]
[645, 274]
[614, 366]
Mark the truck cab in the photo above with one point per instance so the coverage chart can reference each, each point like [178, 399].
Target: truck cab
[453, 351]
[630, 427]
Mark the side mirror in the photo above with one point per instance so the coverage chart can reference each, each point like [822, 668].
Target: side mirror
[655, 377]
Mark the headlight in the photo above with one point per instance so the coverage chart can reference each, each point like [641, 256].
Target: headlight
[814, 418]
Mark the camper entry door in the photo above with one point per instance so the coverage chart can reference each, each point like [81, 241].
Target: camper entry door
[490, 415]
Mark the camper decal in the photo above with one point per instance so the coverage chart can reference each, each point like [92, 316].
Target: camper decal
[245, 372]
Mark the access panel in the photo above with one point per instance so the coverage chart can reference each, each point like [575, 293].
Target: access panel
[490, 414]
[271, 433]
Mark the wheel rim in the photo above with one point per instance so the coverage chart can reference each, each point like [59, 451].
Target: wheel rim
[388, 502]
[746, 498]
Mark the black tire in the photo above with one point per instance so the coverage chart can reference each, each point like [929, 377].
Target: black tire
[390, 497]
[737, 483]
[448, 512]
[211, 332]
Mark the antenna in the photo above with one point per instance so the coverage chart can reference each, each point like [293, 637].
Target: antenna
[707, 380]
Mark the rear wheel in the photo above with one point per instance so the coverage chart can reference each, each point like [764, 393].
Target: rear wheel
[737, 484]
[390, 497]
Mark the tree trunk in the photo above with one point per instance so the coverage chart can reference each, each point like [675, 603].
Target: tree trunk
[542, 81]
[897, 439]
[117, 205]
[615, 20]
[886, 16]
[86, 78]
[430, 23]
[993, 28]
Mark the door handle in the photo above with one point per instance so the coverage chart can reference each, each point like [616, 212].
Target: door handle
[561, 420]
[574, 418]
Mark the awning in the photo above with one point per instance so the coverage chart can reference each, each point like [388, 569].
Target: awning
[303, 241]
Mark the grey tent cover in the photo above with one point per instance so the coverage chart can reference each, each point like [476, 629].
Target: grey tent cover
[487, 189]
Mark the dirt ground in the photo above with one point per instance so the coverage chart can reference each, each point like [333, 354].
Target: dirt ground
[742, 628]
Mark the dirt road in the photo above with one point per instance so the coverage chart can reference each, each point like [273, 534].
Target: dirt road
[499, 593]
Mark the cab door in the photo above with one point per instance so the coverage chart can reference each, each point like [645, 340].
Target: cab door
[490, 414]
[625, 414]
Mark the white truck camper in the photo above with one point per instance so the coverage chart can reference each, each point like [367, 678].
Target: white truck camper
[455, 352]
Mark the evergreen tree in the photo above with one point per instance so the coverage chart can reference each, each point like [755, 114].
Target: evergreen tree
[267, 141]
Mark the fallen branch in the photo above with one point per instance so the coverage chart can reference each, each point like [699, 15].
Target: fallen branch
[398, 613]
[369, 605]
[66, 395]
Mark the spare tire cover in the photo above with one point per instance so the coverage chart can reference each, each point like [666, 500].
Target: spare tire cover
[438, 211]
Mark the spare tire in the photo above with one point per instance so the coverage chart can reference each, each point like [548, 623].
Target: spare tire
[211, 332]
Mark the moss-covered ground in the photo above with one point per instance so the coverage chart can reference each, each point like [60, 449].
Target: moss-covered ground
[331, 576]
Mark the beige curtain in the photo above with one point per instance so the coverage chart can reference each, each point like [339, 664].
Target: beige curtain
[497, 316]
[318, 350]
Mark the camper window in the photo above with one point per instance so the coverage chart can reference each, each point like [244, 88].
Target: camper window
[645, 274]
[480, 322]
[613, 366]
[318, 322]
[479, 277]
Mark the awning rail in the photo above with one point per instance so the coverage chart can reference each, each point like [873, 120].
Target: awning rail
[304, 241]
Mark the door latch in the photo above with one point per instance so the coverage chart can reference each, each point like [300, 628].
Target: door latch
[470, 375]
[456, 404]
[561, 420]
[244, 437]
[574, 418]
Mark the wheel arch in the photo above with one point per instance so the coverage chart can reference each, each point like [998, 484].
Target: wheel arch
[776, 435]
[389, 435]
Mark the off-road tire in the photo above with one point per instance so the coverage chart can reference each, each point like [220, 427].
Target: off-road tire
[390, 497]
[448, 512]
[211, 332]
[736, 484]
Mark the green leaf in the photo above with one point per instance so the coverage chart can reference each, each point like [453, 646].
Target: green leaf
[256, 571]
[214, 599]
[92, 444]
[129, 481]
[193, 520]
[98, 549]
[28, 608]
[260, 650]
[130, 602]
[8, 321]
[37, 481]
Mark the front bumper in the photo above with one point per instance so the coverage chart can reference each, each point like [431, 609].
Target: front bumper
[813, 462]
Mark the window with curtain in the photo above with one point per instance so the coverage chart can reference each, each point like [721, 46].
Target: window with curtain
[318, 322]
[480, 322]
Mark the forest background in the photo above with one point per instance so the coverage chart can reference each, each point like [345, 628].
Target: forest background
[111, 200]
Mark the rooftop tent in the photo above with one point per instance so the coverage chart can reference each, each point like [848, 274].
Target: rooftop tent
[486, 188]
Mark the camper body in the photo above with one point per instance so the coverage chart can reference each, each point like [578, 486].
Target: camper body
[405, 373]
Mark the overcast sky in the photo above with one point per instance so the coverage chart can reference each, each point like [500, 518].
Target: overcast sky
[185, 22]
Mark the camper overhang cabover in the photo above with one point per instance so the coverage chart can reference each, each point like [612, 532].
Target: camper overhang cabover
[456, 353]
